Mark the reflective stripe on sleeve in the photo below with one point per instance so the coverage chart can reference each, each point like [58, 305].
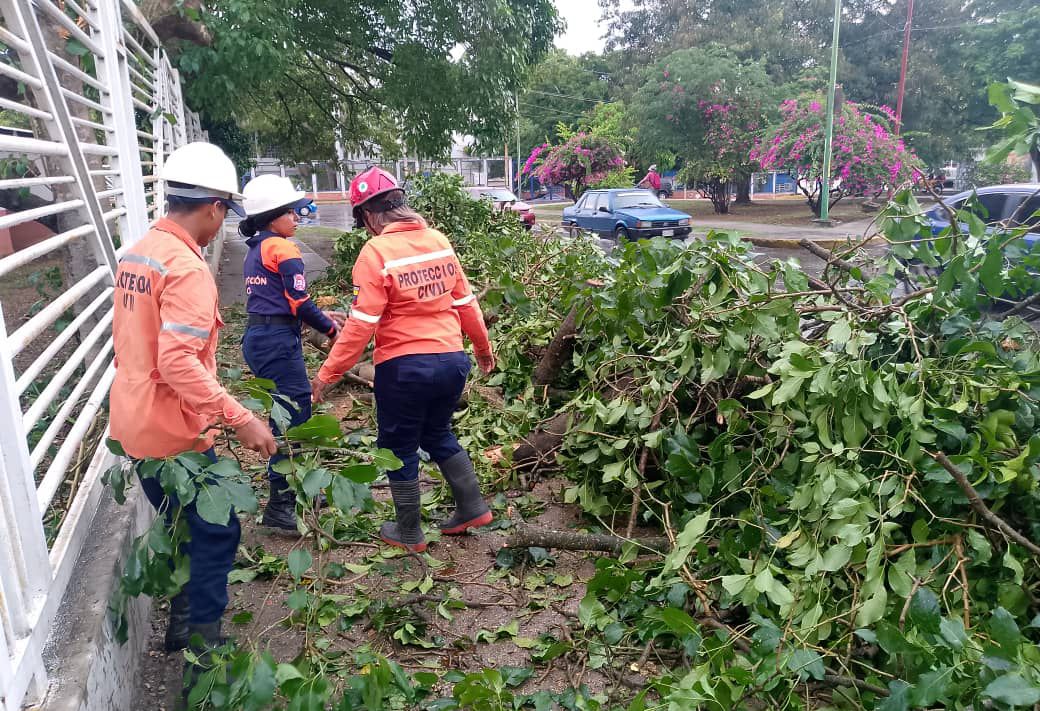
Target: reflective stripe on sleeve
[362, 316]
[147, 261]
[464, 300]
[416, 259]
[185, 329]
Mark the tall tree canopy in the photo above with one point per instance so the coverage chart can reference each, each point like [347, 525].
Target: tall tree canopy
[704, 106]
[958, 47]
[404, 76]
[560, 89]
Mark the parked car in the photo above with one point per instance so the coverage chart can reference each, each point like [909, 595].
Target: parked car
[625, 213]
[309, 210]
[996, 205]
[504, 198]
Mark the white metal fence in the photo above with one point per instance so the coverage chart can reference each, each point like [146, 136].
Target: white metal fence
[89, 108]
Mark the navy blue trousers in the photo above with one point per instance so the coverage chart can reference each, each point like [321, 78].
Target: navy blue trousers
[275, 352]
[415, 398]
[212, 552]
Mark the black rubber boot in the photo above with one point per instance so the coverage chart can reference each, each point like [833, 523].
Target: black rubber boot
[280, 511]
[470, 509]
[405, 532]
[177, 630]
[202, 639]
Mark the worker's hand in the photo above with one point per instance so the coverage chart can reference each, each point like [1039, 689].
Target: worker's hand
[338, 317]
[256, 435]
[318, 388]
[486, 363]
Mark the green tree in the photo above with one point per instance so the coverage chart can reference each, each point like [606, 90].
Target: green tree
[1018, 120]
[560, 89]
[705, 106]
[303, 73]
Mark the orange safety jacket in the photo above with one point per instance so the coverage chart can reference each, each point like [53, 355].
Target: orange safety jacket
[411, 290]
[165, 397]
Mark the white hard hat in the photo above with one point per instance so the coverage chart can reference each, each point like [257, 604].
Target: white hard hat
[204, 171]
[270, 192]
[653, 167]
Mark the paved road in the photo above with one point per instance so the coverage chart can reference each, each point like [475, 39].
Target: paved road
[337, 215]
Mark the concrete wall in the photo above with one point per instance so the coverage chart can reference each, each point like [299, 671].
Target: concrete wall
[88, 669]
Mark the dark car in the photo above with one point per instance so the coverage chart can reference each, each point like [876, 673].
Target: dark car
[625, 213]
[1009, 205]
[310, 210]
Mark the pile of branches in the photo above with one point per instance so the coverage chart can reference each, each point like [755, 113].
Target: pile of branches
[844, 468]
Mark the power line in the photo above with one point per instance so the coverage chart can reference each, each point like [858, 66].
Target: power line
[565, 96]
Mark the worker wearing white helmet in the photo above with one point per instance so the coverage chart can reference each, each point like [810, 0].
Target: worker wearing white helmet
[278, 303]
[166, 399]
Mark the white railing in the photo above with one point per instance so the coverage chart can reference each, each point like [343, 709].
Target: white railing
[104, 109]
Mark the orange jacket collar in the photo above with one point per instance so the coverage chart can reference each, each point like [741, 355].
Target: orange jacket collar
[403, 226]
[165, 224]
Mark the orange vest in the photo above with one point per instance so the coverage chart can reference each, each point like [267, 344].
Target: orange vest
[411, 290]
[165, 396]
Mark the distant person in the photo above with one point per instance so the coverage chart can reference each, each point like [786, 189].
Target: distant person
[652, 180]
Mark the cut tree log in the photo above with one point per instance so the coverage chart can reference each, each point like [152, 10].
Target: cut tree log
[558, 352]
[525, 535]
[538, 445]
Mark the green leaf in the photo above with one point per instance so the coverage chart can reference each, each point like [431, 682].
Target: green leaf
[115, 447]
[898, 697]
[213, 504]
[806, 663]
[952, 630]
[1014, 690]
[315, 480]
[679, 622]
[242, 618]
[685, 542]
[361, 473]
[924, 611]
[317, 429]
[386, 460]
[286, 672]
[1004, 630]
[242, 575]
[300, 560]
[932, 686]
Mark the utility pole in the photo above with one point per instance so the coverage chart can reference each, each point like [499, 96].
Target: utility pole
[825, 187]
[902, 70]
[516, 99]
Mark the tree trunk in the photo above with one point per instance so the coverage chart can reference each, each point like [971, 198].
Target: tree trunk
[743, 189]
[1034, 155]
[539, 445]
[718, 191]
[172, 20]
[558, 351]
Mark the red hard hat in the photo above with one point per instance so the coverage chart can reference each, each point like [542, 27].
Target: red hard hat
[369, 184]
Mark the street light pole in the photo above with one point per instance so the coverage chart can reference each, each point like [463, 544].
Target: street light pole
[902, 70]
[519, 187]
[825, 189]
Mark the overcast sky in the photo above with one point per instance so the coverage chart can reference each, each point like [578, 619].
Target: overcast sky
[583, 33]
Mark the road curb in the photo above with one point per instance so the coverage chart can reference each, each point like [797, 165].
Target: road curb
[794, 242]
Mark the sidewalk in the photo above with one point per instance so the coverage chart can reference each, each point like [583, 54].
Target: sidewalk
[765, 235]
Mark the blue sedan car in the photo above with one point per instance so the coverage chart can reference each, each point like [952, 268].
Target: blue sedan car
[625, 213]
[1010, 205]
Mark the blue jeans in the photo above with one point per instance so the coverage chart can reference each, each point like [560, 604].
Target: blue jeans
[211, 550]
[275, 352]
[415, 398]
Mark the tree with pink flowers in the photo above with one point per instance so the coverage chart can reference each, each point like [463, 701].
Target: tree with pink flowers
[867, 158]
[705, 107]
[578, 163]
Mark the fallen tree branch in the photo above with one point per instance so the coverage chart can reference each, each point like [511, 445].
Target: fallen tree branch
[412, 599]
[980, 507]
[826, 255]
[854, 683]
[525, 535]
[558, 351]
